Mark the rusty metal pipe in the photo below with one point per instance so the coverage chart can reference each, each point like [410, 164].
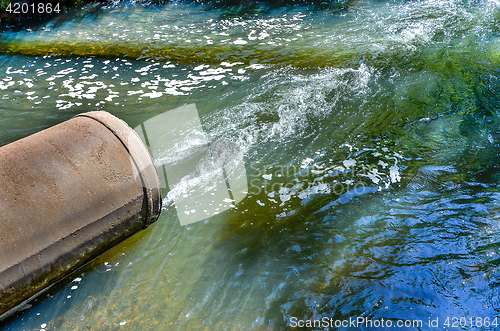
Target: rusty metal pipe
[68, 194]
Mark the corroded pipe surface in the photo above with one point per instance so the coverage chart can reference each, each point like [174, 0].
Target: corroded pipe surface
[68, 194]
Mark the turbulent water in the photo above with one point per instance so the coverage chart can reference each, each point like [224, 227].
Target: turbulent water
[370, 134]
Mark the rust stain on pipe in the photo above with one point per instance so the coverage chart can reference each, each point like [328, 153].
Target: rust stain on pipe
[68, 194]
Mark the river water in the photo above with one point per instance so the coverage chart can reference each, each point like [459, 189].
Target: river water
[370, 134]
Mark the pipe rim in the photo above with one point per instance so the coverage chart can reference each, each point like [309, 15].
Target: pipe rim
[140, 156]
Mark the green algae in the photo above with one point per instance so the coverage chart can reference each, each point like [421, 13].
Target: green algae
[182, 54]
